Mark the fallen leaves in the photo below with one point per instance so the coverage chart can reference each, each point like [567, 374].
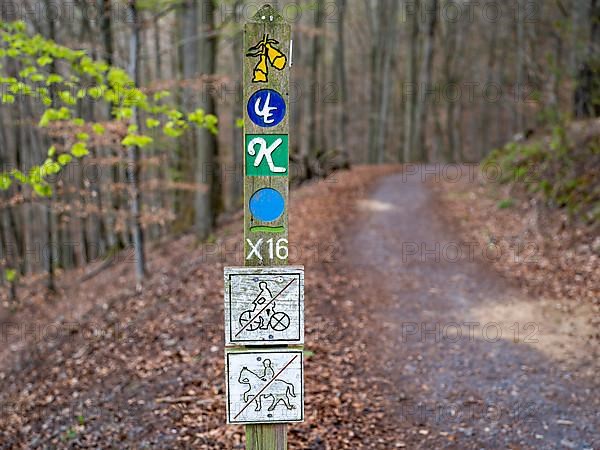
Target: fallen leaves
[146, 370]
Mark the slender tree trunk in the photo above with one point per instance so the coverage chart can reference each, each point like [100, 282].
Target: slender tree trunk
[410, 90]
[340, 65]
[389, 39]
[51, 232]
[189, 93]
[133, 155]
[425, 78]
[106, 29]
[487, 110]
[157, 50]
[587, 91]
[376, 24]
[313, 110]
[208, 202]
[519, 116]
[112, 199]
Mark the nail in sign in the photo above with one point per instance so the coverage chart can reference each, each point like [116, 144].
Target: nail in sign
[264, 306]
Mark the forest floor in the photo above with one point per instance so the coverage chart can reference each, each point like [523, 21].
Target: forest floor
[415, 337]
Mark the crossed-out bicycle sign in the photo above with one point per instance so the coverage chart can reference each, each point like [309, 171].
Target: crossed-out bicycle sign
[264, 304]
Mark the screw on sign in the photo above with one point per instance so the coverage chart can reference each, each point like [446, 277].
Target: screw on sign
[264, 301]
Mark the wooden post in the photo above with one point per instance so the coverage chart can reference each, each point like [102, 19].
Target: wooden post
[266, 68]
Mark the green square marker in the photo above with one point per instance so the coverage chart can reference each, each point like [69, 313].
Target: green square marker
[267, 155]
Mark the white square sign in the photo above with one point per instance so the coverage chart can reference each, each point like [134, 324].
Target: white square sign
[264, 386]
[264, 305]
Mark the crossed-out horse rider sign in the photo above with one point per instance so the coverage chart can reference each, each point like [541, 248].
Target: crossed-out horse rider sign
[264, 386]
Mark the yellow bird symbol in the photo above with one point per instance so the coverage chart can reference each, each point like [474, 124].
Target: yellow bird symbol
[266, 52]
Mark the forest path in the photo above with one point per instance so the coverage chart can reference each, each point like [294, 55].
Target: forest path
[449, 376]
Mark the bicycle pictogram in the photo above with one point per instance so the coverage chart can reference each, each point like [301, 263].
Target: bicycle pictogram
[267, 317]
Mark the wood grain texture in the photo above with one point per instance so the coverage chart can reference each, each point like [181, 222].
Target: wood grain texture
[278, 80]
[266, 21]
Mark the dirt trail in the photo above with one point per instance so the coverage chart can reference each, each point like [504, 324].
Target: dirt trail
[466, 360]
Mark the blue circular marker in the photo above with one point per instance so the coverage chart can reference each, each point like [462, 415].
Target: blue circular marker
[266, 108]
[267, 204]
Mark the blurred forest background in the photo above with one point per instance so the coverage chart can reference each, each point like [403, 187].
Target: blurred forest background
[373, 81]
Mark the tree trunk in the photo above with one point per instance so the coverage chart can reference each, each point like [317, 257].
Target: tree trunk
[313, 109]
[133, 155]
[587, 91]
[410, 90]
[519, 113]
[208, 201]
[388, 47]
[376, 24]
[487, 110]
[425, 80]
[106, 29]
[340, 64]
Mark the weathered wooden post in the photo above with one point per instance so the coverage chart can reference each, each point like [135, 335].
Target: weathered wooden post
[264, 300]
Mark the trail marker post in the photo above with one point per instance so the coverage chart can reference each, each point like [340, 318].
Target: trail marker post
[264, 301]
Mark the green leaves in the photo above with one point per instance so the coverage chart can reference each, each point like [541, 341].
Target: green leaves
[34, 55]
[79, 150]
[208, 121]
[51, 115]
[152, 123]
[136, 140]
[211, 122]
[64, 159]
[18, 175]
[98, 129]
[53, 78]
[5, 181]
[8, 98]
[67, 98]
[42, 189]
[172, 129]
[44, 60]
[10, 275]
[50, 167]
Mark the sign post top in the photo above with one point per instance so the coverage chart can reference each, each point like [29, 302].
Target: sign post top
[267, 14]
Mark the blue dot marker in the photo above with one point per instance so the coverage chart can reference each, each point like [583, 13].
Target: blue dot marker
[266, 108]
[267, 204]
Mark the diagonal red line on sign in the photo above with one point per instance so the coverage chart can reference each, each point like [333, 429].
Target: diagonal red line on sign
[265, 307]
[265, 386]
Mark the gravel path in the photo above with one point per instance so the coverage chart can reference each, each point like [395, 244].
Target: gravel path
[456, 375]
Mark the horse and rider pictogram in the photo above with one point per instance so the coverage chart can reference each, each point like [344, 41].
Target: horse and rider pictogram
[278, 391]
[264, 386]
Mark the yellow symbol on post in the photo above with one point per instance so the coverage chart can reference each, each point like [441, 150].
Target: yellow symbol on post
[266, 52]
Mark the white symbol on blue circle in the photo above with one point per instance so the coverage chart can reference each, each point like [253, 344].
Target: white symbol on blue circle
[267, 204]
[266, 108]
